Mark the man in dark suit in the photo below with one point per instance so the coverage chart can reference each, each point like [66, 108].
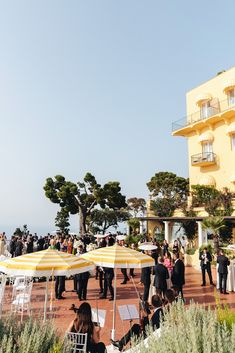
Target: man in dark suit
[59, 287]
[161, 275]
[177, 276]
[12, 246]
[206, 258]
[82, 282]
[146, 280]
[108, 278]
[136, 328]
[223, 262]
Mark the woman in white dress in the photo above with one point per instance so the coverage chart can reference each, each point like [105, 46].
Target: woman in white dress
[2, 245]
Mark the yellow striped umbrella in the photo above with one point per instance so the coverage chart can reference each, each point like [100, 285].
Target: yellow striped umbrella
[45, 263]
[115, 257]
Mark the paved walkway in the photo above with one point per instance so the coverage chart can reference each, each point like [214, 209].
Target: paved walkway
[126, 294]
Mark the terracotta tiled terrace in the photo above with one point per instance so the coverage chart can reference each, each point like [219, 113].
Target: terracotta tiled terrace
[126, 294]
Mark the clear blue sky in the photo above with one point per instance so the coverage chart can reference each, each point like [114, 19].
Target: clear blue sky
[94, 86]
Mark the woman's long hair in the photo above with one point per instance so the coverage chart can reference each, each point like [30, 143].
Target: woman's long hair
[83, 322]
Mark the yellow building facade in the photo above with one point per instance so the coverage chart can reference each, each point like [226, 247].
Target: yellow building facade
[210, 130]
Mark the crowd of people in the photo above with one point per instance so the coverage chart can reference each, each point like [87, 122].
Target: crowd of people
[28, 243]
[161, 284]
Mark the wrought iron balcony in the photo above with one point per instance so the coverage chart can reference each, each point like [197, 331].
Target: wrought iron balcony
[203, 159]
[221, 108]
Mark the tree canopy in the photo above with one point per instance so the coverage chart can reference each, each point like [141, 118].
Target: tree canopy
[168, 192]
[82, 197]
[136, 205]
[62, 221]
[168, 185]
[216, 202]
[100, 220]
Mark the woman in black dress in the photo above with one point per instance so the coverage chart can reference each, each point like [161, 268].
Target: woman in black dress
[83, 324]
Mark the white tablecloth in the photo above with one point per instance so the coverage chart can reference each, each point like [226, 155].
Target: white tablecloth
[231, 277]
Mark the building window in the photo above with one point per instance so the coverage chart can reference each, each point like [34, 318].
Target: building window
[233, 141]
[207, 151]
[205, 110]
[231, 96]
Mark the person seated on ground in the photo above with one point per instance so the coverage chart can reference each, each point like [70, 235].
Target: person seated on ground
[169, 298]
[83, 324]
[136, 330]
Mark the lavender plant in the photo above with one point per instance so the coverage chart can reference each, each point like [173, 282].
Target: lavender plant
[31, 336]
[190, 330]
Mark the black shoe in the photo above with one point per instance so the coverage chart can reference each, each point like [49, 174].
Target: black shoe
[212, 284]
[103, 297]
[203, 285]
[111, 299]
[225, 293]
[101, 291]
[124, 282]
[117, 344]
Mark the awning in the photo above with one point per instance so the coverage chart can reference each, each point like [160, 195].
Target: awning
[203, 97]
[206, 136]
[231, 128]
[229, 85]
[207, 180]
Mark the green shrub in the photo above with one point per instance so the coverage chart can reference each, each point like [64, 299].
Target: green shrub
[191, 251]
[224, 314]
[208, 246]
[57, 348]
[133, 239]
[190, 330]
[30, 336]
[159, 237]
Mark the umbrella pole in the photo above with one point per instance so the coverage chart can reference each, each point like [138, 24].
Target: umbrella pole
[52, 286]
[46, 300]
[114, 305]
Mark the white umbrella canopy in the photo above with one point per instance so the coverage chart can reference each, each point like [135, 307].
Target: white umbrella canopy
[54, 232]
[3, 258]
[45, 263]
[121, 237]
[100, 236]
[147, 246]
[117, 256]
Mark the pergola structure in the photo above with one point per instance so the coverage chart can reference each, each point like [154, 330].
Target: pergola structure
[166, 223]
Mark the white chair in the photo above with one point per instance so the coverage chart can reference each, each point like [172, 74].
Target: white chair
[2, 291]
[77, 342]
[22, 301]
[20, 284]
